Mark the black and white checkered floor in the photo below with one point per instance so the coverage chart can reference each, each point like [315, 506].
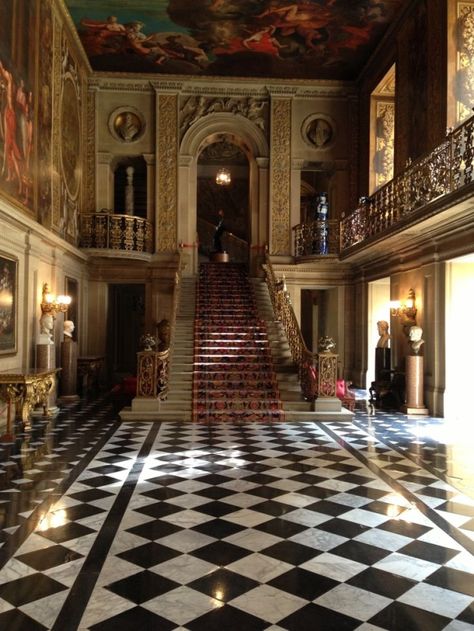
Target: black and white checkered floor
[298, 526]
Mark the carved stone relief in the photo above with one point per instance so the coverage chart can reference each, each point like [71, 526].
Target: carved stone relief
[126, 124]
[90, 165]
[192, 108]
[280, 173]
[318, 131]
[167, 172]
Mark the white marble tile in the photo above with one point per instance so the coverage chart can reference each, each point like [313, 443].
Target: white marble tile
[353, 601]
[189, 486]
[431, 598]
[244, 500]
[338, 486]
[5, 606]
[186, 540]
[184, 568]
[287, 485]
[318, 539]
[45, 610]
[440, 538]
[259, 567]
[457, 625]
[252, 539]
[182, 604]
[34, 542]
[247, 517]
[101, 605]
[454, 519]
[14, 569]
[366, 626]
[333, 566]
[280, 472]
[240, 486]
[268, 603]
[383, 539]
[189, 500]
[115, 569]
[354, 501]
[463, 561]
[404, 565]
[306, 517]
[187, 518]
[126, 540]
[295, 499]
[364, 517]
[66, 573]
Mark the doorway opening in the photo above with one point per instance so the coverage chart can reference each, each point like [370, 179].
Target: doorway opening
[125, 327]
[378, 309]
[319, 316]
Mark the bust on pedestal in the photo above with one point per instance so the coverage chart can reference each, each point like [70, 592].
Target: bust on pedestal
[46, 357]
[414, 374]
[69, 363]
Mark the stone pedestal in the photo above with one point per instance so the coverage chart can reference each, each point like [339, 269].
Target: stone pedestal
[69, 370]
[382, 364]
[219, 257]
[414, 386]
[46, 360]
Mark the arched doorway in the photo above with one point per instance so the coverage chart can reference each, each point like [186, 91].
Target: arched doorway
[232, 197]
[250, 140]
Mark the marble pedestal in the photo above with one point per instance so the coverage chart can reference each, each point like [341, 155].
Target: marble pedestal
[414, 386]
[46, 360]
[69, 371]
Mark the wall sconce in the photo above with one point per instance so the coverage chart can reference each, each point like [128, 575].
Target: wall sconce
[405, 310]
[53, 304]
[223, 177]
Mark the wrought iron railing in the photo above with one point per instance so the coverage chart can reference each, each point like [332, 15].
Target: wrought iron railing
[106, 230]
[444, 170]
[317, 371]
[317, 238]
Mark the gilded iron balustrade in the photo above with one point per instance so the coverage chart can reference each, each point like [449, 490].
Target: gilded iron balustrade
[152, 371]
[106, 230]
[444, 170]
[317, 371]
[317, 238]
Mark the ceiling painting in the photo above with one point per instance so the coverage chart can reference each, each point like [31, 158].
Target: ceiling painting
[311, 39]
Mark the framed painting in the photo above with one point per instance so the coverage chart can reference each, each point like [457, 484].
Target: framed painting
[8, 304]
[71, 288]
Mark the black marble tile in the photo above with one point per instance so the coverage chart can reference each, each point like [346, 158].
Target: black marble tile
[215, 492]
[149, 554]
[457, 508]
[101, 480]
[428, 552]
[154, 529]
[218, 528]
[360, 552]
[343, 527]
[273, 508]
[160, 509]
[404, 528]
[328, 508]
[467, 615]
[304, 584]
[217, 509]
[281, 528]
[223, 585]
[29, 588]
[401, 616]
[16, 620]
[80, 511]
[135, 618]
[227, 618]
[290, 552]
[220, 553]
[66, 532]
[142, 586]
[316, 491]
[49, 557]
[316, 618]
[455, 580]
[380, 582]
[91, 495]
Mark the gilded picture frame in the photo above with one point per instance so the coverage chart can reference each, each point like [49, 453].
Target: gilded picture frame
[8, 304]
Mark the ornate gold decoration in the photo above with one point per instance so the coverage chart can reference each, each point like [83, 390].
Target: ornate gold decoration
[308, 237]
[384, 142]
[465, 63]
[26, 390]
[56, 132]
[152, 374]
[116, 232]
[280, 165]
[167, 172]
[90, 157]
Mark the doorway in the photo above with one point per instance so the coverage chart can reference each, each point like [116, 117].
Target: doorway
[378, 308]
[319, 316]
[126, 326]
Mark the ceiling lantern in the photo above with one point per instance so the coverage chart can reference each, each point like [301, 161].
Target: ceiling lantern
[223, 177]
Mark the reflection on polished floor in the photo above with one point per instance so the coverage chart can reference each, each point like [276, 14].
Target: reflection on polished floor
[300, 526]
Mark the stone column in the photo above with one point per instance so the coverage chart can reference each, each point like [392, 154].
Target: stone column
[414, 386]
[69, 370]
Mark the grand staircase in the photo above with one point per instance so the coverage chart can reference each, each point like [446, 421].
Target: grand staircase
[234, 377]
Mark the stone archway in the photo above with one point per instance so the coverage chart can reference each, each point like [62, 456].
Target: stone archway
[250, 139]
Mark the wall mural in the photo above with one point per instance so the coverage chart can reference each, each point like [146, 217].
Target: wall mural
[261, 38]
[16, 100]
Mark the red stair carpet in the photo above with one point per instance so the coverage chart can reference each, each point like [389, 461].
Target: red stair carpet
[233, 377]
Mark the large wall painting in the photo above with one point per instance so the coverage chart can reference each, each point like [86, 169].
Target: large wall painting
[17, 99]
[261, 38]
[8, 304]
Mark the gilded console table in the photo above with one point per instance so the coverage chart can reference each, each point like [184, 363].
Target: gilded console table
[26, 390]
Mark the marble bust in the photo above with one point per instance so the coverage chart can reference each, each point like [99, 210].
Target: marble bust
[382, 327]
[46, 329]
[68, 329]
[415, 339]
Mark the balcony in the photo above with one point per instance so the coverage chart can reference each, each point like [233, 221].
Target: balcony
[316, 238]
[111, 232]
[435, 182]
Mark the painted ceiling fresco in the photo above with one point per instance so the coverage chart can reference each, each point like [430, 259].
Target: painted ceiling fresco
[313, 39]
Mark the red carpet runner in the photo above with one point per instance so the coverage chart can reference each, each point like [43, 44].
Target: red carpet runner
[234, 378]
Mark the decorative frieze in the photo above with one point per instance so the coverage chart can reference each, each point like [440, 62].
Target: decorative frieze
[167, 144]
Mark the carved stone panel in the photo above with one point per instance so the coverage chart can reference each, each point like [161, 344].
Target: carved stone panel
[280, 174]
[167, 143]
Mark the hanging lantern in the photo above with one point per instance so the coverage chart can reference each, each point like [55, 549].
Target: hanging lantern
[223, 177]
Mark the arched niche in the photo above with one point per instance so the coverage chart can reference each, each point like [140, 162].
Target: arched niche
[250, 139]
[130, 171]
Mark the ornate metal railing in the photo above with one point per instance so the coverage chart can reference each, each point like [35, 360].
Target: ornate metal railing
[444, 170]
[237, 248]
[317, 371]
[116, 232]
[317, 238]
[152, 374]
